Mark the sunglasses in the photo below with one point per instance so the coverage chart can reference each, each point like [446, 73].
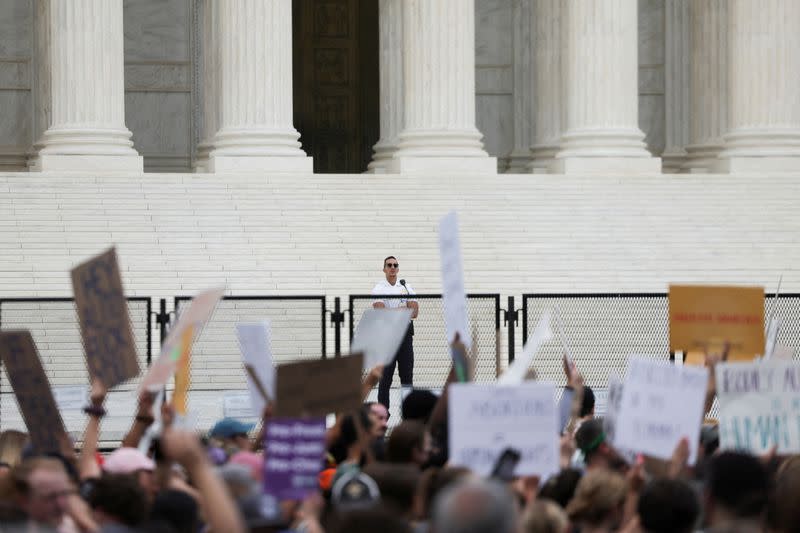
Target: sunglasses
[392, 265]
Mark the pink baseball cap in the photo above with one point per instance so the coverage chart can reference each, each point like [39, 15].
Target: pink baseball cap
[253, 461]
[126, 461]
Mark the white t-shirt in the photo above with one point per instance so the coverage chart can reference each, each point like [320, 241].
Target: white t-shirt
[384, 287]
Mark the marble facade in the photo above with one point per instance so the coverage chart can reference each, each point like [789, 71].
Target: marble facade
[166, 106]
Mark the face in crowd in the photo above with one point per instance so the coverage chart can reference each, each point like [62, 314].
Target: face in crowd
[46, 489]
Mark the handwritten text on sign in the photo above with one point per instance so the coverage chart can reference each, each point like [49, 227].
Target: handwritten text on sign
[759, 406]
[661, 403]
[487, 419]
[293, 450]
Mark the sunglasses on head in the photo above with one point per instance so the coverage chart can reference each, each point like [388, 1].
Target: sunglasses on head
[392, 265]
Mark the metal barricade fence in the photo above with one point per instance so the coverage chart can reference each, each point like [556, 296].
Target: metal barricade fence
[217, 378]
[53, 323]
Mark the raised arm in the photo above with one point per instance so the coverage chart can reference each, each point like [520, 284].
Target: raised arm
[87, 464]
[143, 419]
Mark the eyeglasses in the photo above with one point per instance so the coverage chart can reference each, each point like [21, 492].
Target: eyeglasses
[392, 265]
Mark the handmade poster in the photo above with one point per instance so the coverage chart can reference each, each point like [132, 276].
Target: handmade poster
[293, 453]
[485, 419]
[32, 389]
[456, 313]
[316, 388]
[772, 337]
[759, 406]
[706, 317]
[516, 372]
[105, 324]
[661, 403]
[71, 397]
[195, 317]
[613, 404]
[238, 404]
[183, 371]
[255, 344]
[379, 334]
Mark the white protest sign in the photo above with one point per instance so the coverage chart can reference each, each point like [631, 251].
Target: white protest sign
[255, 343]
[71, 397]
[661, 403]
[486, 419]
[379, 334]
[237, 404]
[772, 337]
[456, 316]
[515, 374]
[613, 403]
[759, 406]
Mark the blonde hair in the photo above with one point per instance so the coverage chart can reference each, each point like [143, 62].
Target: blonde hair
[544, 516]
[11, 444]
[598, 494]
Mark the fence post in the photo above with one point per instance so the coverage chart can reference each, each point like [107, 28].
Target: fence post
[511, 321]
[162, 319]
[337, 319]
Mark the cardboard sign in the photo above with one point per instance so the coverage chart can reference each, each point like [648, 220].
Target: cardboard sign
[486, 419]
[293, 452]
[105, 324]
[515, 374]
[237, 404]
[379, 334]
[703, 316]
[661, 403]
[759, 406]
[255, 344]
[32, 389]
[456, 314]
[316, 388]
[195, 317]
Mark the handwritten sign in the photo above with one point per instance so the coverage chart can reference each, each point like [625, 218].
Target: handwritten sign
[515, 374]
[237, 404]
[661, 403]
[759, 406]
[71, 397]
[486, 419]
[703, 316]
[316, 388]
[293, 452]
[255, 343]
[456, 315]
[32, 389]
[379, 334]
[195, 317]
[105, 324]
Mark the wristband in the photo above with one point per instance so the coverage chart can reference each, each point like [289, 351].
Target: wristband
[95, 410]
[145, 419]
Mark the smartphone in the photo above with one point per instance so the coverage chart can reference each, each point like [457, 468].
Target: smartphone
[506, 464]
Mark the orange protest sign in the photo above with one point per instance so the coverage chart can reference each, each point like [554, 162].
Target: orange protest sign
[706, 317]
[182, 377]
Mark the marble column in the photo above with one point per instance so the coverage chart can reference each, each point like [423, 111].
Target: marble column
[602, 131]
[677, 84]
[548, 97]
[390, 35]
[79, 88]
[208, 86]
[519, 159]
[708, 83]
[439, 132]
[764, 112]
[254, 89]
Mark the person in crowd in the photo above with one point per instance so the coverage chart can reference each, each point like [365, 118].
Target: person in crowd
[560, 488]
[783, 511]
[233, 435]
[668, 506]
[590, 439]
[409, 443]
[599, 501]
[397, 484]
[118, 503]
[736, 490]
[433, 482]
[475, 506]
[380, 419]
[543, 516]
[12, 442]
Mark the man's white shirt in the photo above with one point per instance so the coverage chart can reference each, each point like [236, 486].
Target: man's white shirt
[385, 288]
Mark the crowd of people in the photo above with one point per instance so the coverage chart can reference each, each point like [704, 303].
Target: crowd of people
[375, 480]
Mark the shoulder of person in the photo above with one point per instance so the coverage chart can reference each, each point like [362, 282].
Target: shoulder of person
[380, 287]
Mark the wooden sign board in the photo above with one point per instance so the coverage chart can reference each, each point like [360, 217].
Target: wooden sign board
[32, 389]
[317, 388]
[105, 324]
[706, 317]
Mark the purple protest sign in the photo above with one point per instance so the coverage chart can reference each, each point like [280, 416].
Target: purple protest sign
[293, 453]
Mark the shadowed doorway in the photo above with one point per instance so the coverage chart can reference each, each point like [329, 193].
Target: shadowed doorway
[335, 54]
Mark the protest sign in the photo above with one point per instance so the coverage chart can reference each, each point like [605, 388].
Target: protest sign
[379, 334]
[238, 404]
[515, 374]
[316, 388]
[293, 452]
[195, 317]
[71, 397]
[661, 403]
[256, 348]
[183, 373]
[759, 406]
[486, 419]
[32, 389]
[772, 337]
[704, 316]
[105, 324]
[613, 403]
[456, 315]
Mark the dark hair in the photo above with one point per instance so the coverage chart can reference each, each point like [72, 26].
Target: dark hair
[177, 509]
[407, 436]
[121, 497]
[418, 405]
[387, 258]
[668, 506]
[397, 484]
[590, 436]
[436, 479]
[587, 403]
[561, 487]
[370, 520]
[348, 433]
[739, 482]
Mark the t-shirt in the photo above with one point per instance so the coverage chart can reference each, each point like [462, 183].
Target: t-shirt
[384, 287]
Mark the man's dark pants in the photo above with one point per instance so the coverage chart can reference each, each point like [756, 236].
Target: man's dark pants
[404, 360]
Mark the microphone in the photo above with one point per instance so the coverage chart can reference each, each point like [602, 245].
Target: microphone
[403, 283]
